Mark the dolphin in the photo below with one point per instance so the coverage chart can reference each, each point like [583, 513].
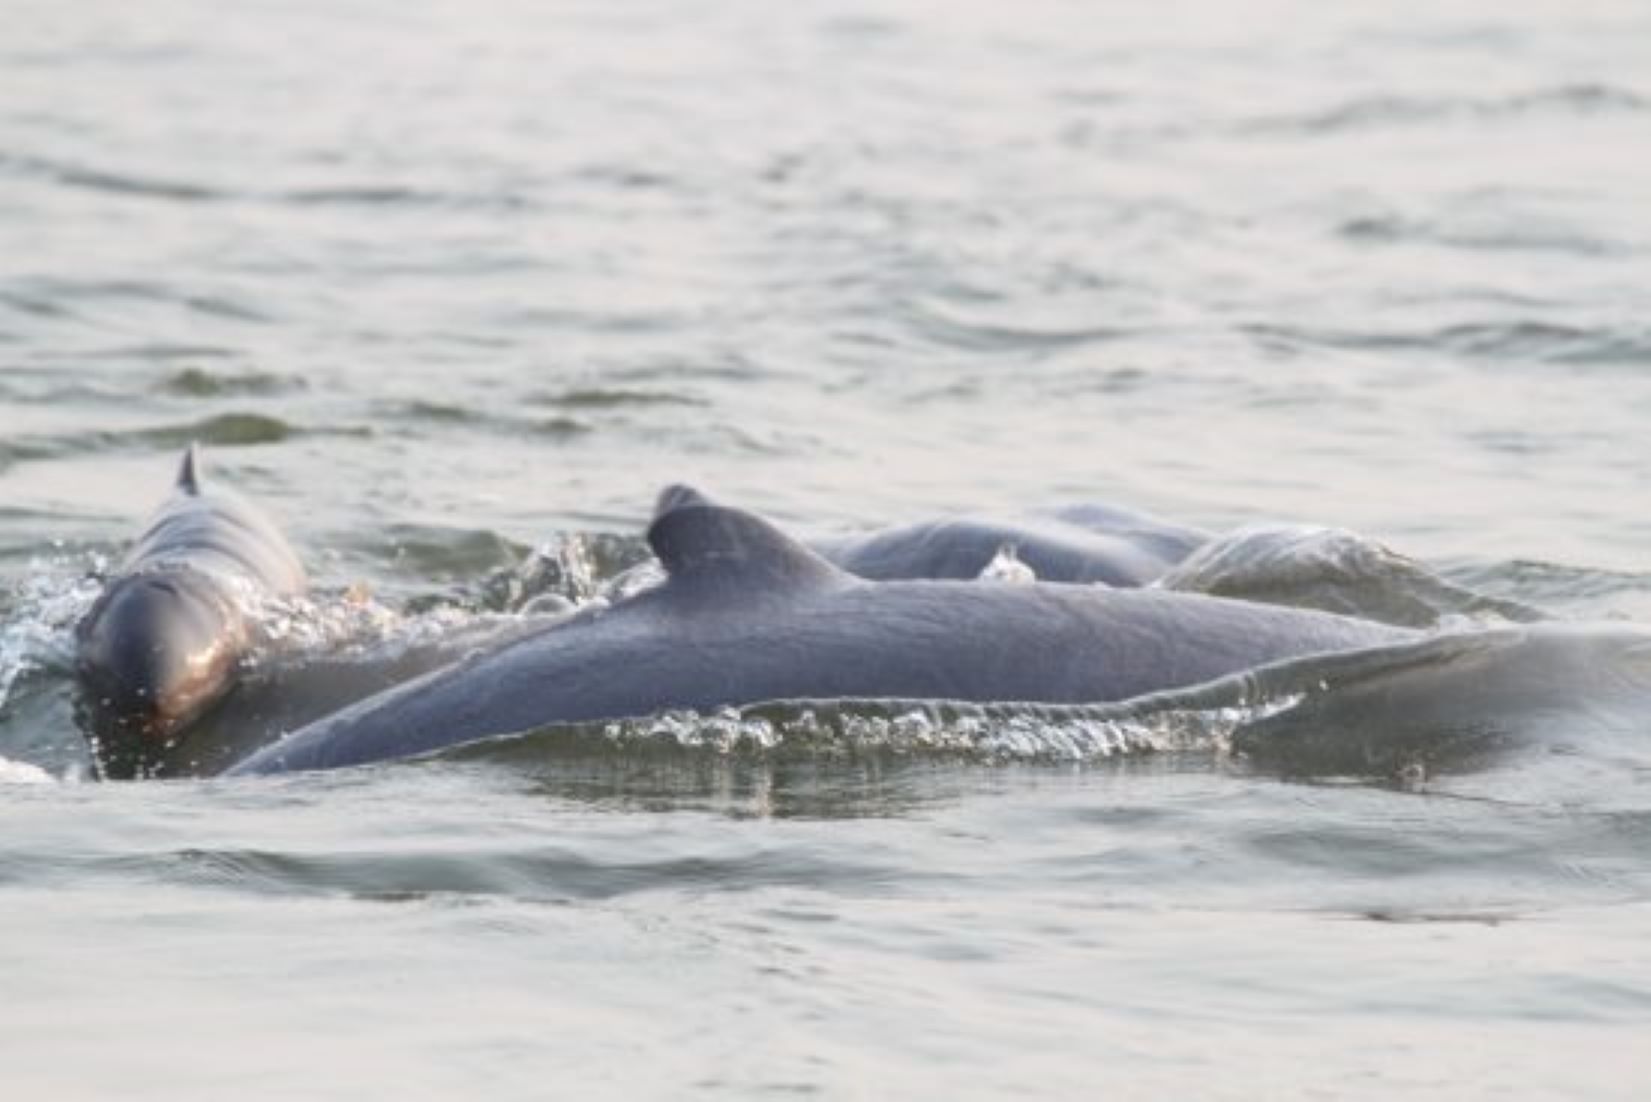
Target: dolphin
[1087, 544]
[1456, 701]
[163, 641]
[746, 614]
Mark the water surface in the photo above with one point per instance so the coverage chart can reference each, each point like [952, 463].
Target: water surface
[440, 282]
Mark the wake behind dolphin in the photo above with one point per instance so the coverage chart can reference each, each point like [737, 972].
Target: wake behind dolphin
[747, 614]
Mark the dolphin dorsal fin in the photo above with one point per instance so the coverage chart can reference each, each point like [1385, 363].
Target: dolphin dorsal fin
[189, 471]
[698, 540]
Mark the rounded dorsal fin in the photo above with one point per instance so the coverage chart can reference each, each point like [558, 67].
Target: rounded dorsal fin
[189, 471]
[676, 496]
[699, 541]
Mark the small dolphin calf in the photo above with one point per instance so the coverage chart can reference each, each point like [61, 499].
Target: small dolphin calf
[747, 614]
[162, 642]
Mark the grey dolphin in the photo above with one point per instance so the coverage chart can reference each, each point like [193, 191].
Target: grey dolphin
[1088, 544]
[747, 614]
[1455, 701]
[162, 642]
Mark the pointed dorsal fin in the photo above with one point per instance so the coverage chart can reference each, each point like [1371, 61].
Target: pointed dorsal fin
[189, 471]
[700, 541]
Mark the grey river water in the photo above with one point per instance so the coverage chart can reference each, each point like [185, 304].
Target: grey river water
[441, 283]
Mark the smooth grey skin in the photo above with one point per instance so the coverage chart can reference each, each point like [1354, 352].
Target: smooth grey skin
[281, 692]
[748, 615]
[1083, 544]
[163, 641]
[1451, 702]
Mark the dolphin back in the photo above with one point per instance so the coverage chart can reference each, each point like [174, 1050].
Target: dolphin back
[749, 615]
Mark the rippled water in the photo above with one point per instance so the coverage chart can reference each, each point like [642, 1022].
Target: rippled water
[439, 283]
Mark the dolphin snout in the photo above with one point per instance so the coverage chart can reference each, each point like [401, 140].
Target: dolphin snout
[155, 651]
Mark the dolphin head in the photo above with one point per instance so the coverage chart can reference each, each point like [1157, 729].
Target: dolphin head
[156, 649]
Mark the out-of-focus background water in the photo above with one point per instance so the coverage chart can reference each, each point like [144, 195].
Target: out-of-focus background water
[438, 282]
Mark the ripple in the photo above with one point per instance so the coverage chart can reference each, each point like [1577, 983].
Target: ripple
[225, 429]
[560, 428]
[1555, 584]
[1548, 341]
[446, 413]
[616, 398]
[543, 873]
[1373, 112]
[111, 181]
[433, 554]
[69, 297]
[978, 334]
[233, 428]
[455, 415]
[199, 382]
[1513, 236]
[141, 185]
[399, 195]
[162, 351]
[37, 305]
[1520, 339]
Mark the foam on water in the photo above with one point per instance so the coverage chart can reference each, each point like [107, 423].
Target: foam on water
[39, 615]
[16, 772]
[851, 729]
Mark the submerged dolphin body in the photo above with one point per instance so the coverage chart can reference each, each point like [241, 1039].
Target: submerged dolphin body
[1453, 701]
[747, 614]
[162, 642]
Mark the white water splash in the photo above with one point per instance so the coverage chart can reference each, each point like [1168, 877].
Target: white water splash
[47, 603]
[988, 733]
[319, 623]
[17, 772]
[1006, 567]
